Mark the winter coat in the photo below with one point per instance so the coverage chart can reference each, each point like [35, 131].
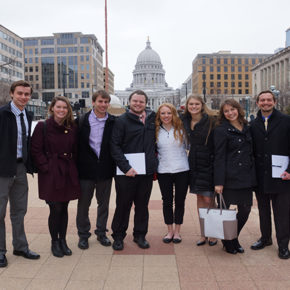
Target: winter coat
[90, 166]
[233, 162]
[54, 154]
[201, 153]
[8, 144]
[130, 135]
[274, 141]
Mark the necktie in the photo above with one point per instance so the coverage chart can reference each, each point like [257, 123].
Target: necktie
[24, 138]
[266, 123]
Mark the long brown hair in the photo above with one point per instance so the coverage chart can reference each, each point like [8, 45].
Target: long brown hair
[234, 104]
[68, 121]
[176, 122]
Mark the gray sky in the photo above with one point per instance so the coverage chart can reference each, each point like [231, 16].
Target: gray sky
[178, 29]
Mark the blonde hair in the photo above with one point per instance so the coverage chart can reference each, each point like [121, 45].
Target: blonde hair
[176, 122]
[204, 108]
[68, 121]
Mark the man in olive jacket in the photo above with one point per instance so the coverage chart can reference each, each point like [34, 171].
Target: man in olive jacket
[271, 136]
[134, 132]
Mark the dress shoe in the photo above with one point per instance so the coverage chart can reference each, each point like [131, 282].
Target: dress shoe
[201, 242]
[104, 240]
[284, 253]
[177, 240]
[261, 244]
[167, 240]
[118, 245]
[56, 249]
[27, 254]
[64, 248]
[238, 247]
[141, 242]
[3, 261]
[212, 243]
[229, 247]
[83, 243]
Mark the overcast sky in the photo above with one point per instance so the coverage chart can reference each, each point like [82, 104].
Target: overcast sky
[178, 29]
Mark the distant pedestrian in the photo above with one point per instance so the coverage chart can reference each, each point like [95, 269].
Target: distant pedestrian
[173, 168]
[54, 149]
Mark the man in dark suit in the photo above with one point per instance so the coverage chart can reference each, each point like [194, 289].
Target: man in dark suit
[15, 126]
[96, 168]
[271, 136]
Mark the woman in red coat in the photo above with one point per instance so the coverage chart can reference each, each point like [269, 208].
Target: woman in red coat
[53, 148]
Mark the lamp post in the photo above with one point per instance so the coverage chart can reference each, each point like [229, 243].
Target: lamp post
[247, 106]
[203, 84]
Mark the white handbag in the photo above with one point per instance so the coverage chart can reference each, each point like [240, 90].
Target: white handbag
[218, 222]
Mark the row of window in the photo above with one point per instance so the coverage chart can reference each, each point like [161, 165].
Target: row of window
[226, 68]
[50, 50]
[232, 91]
[10, 61]
[226, 84]
[11, 72]
[10, 50]
[64, 39]
[83, 58]
[11, 39]
[233, 76]
[232, 60]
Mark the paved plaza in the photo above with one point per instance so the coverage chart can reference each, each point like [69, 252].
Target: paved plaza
[164, 266]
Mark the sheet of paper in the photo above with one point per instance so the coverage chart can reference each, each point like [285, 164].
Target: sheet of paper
[137, 161]
[279, 165]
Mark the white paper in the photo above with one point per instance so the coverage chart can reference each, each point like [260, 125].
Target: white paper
[136, 161]
[279, 165]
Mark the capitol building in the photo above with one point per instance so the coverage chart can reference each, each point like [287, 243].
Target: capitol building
[149, 76]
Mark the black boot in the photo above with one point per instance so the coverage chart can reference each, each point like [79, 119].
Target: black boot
[64, 248]
[237, 246]
[229, 247]
[56, 249]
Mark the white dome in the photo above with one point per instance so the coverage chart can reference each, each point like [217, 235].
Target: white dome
[148, 55]
[115, 102]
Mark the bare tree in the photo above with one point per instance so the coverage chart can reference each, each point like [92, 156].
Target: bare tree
[4, 93]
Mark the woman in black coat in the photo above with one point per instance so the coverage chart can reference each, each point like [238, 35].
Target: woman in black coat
[199, 122]
[234, 172]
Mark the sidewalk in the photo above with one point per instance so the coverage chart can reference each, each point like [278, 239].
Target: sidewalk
[164, 266]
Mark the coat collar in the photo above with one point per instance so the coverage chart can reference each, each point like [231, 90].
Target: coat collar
[273, 121]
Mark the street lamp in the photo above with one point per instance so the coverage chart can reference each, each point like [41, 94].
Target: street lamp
[203, 84]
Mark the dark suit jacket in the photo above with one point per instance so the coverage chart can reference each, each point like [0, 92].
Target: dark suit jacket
[274, 141]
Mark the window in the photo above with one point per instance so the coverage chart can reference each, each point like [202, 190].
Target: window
[36, 68]
[211, 69]
[87, 58]
[226, 91]
[246, 76]
[36, 51]
[253, 60]
[225, 69]
[233, 91]
[225, 84]
[247, 91]
[239, 61]
[218, 84]
[82, 85]
[84, 40]
[246, 61]
[232, 69]
[246, 68]
[239, 84]
[36, 78]
[30, 42]
[88, 76]
[36, 59]
[82, 58]
[47, 50]
[246, 84]
[225, 76]
[218, 61]
[82, 76]
[218, 76]
[48, 41]
[211, 91]
[211, 61]
[81, 49]
[239, 69]
[203, 61]
[88, 85]
[218, 69]
[26, 69]
[85, 95]
[239, 76]
[211, 76]
[211, 84]
[233, 84]
[225, 61]
[87, 49]
[232, 61]
[239, 91]
[232, 77]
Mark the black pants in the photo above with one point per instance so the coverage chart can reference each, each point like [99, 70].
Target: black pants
[128, 190]
[58, 220]
[173, 185]
[281, 211]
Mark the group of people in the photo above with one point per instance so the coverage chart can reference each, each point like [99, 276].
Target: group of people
[208, 153]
